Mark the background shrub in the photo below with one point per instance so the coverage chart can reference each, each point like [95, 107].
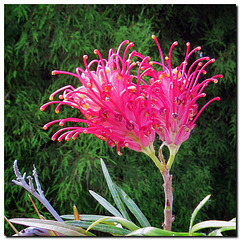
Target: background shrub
[41, 38]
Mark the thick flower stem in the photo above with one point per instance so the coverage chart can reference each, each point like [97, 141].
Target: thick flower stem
[167, 181]
[168, 191]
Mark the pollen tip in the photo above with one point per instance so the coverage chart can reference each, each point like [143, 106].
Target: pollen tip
[199, 48]
[153, 37]
[127, 42]
[57, 111]
[53, 72]
[213, 60]
[51, 98]
[119, 153]
[45, 127]
[89, 85]
[53, 139]
[188, 44]
[42, 108]
[218, 98]
[85, 57]
[175, 43]
[61, 97]
[215, 81]
[166, 58]
[107, 69]
[96, 51]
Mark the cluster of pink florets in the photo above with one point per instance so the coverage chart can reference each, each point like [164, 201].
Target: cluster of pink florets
[126, 110]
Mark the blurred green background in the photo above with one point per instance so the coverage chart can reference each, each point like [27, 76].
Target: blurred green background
[41, 38]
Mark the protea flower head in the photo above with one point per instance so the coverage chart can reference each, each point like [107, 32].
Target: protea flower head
[115, 108]
[173, 92]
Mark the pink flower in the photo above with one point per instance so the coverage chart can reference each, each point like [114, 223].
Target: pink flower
[115, 108]
[173, 93]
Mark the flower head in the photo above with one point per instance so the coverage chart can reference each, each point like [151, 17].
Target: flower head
[173, 92]
[124, 109]
[115, 108]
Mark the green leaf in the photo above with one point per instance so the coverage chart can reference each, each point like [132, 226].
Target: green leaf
[133, 208]
[113, 191]
[123, 221]
[108, 219]
[214, 223]
[60, 227]
[106, 204]
[101, 227]
[218, 232]
[83, 217]
[152, 231]
[96, 222]
[196, 210]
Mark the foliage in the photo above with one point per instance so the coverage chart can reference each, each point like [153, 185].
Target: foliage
[120, 224]
[41, 38]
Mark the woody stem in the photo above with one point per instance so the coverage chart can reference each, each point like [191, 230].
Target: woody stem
[168, 191]
[167, 180]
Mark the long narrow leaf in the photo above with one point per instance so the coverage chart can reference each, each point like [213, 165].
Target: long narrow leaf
[135, 210]
[84, 217]
[113, 192]
[196, 210]
[218, 232]
[213, 224]
[60, 227]
[106, 204]
[157, 232]
[101, 227]
[89, 219]
[95, 223]
[123, 221]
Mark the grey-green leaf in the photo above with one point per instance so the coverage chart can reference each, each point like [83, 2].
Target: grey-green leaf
[108, 206]
[214, 223]
[60, 227]
[113, 191]
[154, 232]
[196, 210]
[101, 227]
[83, 217]
[135, 210]
[218, 232]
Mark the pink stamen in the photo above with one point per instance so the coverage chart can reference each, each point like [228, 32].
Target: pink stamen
[216, 98]
[160, 50]
[201, 71]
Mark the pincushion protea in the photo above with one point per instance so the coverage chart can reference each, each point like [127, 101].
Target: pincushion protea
[115, 107]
